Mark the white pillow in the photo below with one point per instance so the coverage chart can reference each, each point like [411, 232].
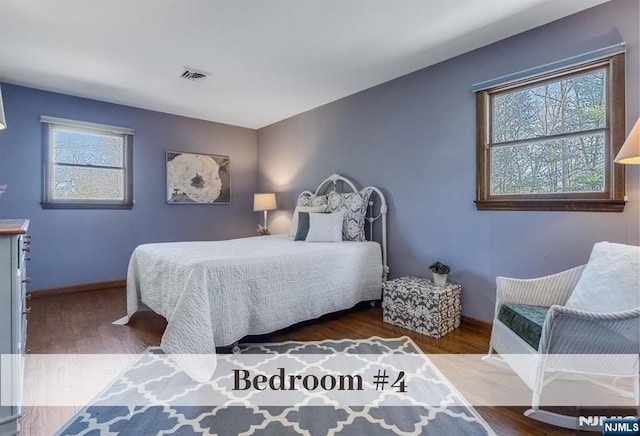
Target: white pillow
[294, 218]
[325, 227]
[610, 282]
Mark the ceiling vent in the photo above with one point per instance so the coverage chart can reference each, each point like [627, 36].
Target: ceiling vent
[192, 74]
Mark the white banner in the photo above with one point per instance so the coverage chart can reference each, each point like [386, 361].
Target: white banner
[401, 379]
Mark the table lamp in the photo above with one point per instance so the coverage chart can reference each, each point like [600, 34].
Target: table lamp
[630, 151]
[264, 202]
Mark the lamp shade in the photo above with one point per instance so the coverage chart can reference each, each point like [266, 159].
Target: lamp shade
[630, 151]
[264, 201]
[3, 122]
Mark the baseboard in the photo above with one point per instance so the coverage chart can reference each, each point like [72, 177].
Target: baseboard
[73, 289]
[475, 323]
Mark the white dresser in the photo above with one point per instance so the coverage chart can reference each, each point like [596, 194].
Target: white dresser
[14, 254]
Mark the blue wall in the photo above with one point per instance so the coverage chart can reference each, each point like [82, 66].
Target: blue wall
[414, 137]
[81, 246]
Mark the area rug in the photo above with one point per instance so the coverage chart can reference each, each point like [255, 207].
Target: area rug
[156, 413]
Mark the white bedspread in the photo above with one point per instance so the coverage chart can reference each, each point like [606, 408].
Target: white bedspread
[215, 293]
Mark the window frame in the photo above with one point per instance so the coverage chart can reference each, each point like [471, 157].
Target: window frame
[48, 202]
[613, 197]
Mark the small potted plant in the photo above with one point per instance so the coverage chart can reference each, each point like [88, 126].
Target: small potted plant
[440, 271]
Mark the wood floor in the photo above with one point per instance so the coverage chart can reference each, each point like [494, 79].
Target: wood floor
[81, 323]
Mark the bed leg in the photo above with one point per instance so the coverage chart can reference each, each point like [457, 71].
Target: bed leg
[235, 349]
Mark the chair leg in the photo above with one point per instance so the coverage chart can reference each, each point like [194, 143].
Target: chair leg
[538, 383]
[556, 419]
[496, 361]
[535, 401]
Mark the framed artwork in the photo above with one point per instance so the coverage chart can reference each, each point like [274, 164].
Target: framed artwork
[197, 178]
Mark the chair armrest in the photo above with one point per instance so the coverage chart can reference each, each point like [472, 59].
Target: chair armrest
[542, 291]
[572, 331]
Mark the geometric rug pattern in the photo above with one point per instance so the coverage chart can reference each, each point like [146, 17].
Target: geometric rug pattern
[439, 418]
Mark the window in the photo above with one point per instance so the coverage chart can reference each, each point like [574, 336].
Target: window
[548, 142]
[86, 166]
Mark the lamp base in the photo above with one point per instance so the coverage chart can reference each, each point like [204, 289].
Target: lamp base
[263, 230]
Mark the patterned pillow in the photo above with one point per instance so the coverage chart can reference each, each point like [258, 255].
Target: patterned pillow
[354, 205]
[307, 200]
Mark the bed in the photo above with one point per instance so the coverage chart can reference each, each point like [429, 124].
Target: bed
[214, 293]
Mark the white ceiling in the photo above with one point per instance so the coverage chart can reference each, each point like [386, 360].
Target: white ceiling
[268, 59]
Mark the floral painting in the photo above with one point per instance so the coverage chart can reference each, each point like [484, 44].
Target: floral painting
[198, 178]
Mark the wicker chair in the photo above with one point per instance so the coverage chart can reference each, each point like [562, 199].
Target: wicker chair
[565, 332]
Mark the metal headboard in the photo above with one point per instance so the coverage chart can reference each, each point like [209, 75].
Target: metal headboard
[332, 181]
